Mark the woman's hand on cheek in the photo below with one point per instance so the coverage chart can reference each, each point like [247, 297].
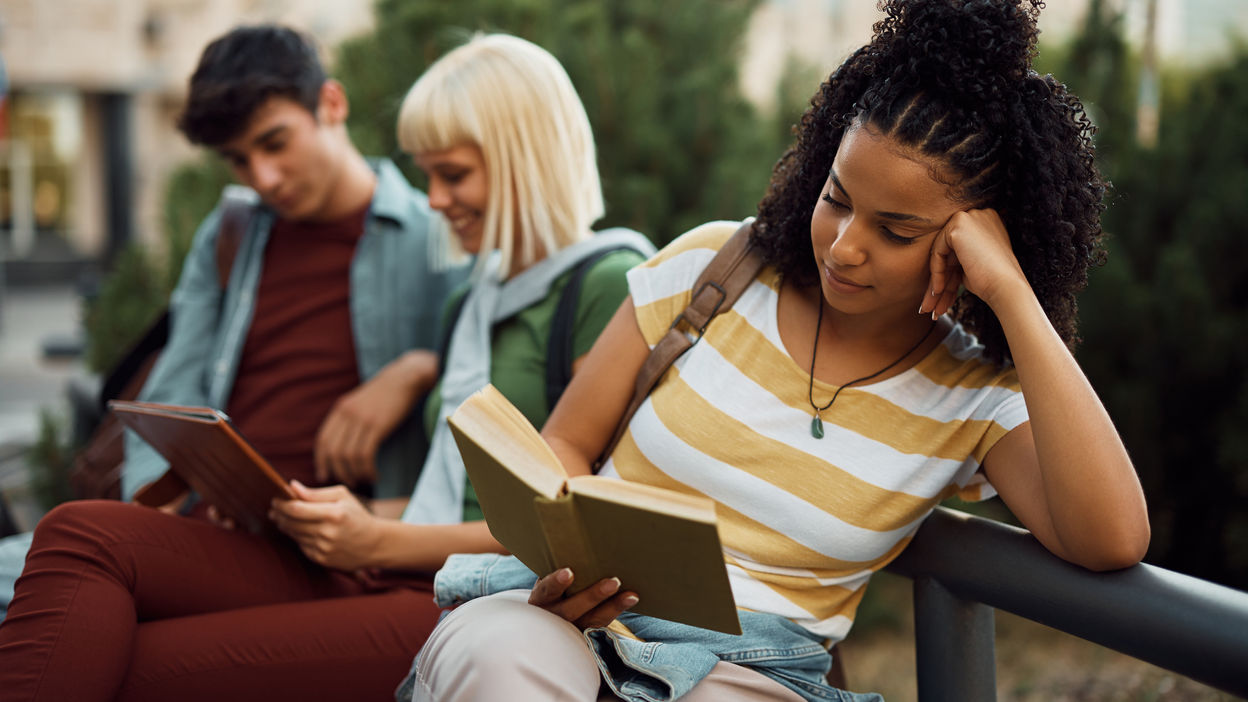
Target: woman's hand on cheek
[594, 606]
[946, 277]
[972, 250]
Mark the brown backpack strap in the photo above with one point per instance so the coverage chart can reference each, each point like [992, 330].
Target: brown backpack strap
[235, 213]
[728, 274]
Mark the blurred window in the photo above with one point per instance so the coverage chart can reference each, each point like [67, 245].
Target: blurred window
[44, 138]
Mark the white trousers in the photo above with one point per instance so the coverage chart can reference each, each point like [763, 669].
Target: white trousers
[502, 648]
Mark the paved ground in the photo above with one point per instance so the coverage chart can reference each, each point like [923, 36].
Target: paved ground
[31, 317]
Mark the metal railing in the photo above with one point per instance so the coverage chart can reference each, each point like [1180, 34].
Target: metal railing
[964, 566]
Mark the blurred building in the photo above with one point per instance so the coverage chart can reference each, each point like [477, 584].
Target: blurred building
[96, 85]
[822, 33]
[95, 88]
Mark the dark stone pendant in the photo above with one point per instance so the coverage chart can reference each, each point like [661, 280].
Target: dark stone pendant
[816, 427]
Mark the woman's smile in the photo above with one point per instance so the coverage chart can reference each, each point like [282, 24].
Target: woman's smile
[463, 222]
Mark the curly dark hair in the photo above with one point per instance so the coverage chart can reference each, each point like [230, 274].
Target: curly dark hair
[952, 79]
[239, 71]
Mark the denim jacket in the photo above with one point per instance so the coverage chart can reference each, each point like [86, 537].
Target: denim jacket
[396, 297]
[670, 658]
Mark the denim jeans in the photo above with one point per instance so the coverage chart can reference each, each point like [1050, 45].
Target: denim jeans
[671, 658]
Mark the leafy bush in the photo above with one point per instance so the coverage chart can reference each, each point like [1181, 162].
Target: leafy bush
[137, 288]
[677, 142]
[1164, 321]
[49, 461]
[127, 302]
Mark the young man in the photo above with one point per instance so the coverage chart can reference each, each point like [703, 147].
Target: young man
[310, 348]
[333, 300]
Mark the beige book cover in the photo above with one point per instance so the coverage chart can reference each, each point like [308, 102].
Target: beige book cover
[661, 544]
[209, 455]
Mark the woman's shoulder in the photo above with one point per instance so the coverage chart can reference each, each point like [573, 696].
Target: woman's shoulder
[613, 266]
[709, 237]
[960, 361]
[662, 287]
[688, 254]
[605, 284]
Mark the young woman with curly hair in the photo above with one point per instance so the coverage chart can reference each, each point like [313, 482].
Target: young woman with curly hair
[909, 340]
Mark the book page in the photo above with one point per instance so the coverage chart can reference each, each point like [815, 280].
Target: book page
[512, 471]
[489, 420]
[640, 495]
[660, 543]
[669, 555]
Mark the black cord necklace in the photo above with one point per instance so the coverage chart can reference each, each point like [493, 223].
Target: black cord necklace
[816, 424]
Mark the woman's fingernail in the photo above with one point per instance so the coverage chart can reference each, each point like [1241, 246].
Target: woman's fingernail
[933, 315]
[629, 601]
[611, 586]
[564, 575]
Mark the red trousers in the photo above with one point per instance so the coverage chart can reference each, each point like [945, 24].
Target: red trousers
[122, 602]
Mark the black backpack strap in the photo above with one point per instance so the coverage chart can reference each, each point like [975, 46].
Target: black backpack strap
[559, 345]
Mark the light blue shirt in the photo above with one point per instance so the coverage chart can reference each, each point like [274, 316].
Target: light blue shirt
[397, 293]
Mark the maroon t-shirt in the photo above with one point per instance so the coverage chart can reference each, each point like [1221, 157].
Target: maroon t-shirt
[299, 356]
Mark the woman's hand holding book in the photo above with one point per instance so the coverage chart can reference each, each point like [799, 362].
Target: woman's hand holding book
[592, 607]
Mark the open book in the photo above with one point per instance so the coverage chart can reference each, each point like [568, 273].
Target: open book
[210, 456]
[661, 544]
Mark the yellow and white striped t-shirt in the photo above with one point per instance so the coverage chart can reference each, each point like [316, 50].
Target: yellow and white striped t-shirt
[804, 522]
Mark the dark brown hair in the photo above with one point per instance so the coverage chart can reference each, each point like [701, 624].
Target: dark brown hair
[952, 79]
[241, 70]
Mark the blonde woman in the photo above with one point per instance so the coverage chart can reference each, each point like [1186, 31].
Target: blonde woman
[907, 340]
[170, 608]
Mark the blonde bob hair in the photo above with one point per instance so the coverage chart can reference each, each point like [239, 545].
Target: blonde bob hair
[514, 101]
